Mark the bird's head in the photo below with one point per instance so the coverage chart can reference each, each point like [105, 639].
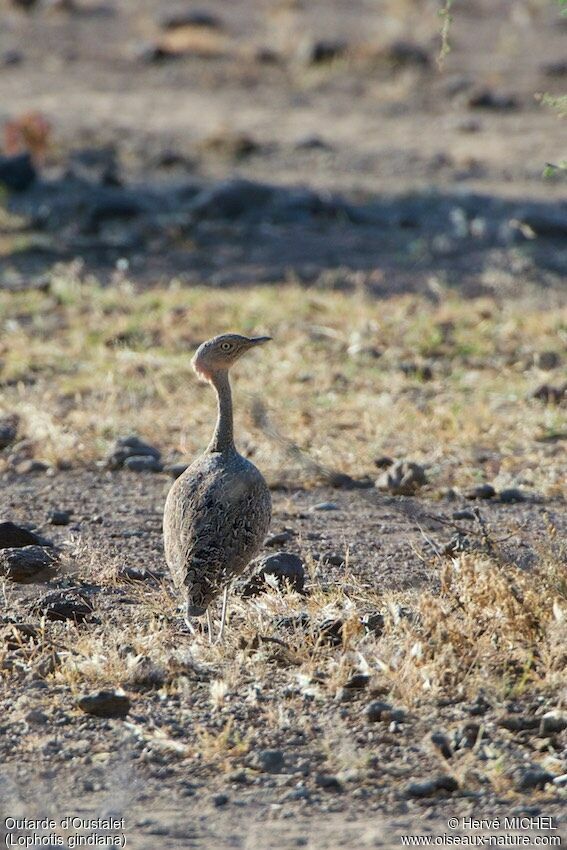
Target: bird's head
[221, 352]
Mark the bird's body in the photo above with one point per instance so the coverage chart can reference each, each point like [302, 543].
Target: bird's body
[218, 511]
[217, 516]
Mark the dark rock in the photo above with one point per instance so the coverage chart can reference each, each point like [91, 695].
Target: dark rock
[65, 605]
[552, 723]
[518, 722]
[357, 682]
[328, 782]
[548, 360]
[442, 743]
[551, 394]
[403, 478]
[555, 69]
[143, 463]
[373, 623]
[316, 51]
[324, 506]
[377, 710]
[533, 779]
[25, 564]
[177, 18]
[8, 430]
[312, 143]
[545, 223]
[60, 517]
[219, 800]
[269, 761]
[231, 199]
[31, 465]
[383, 462]
[131, 446]
[17, 173]
[488, 99]
[431, 787]
[464, 515]
[14, 536]
[36, 716]
[9, 58]
[174, 470]
[286, 568]
[405, 54]
[511, 495]
[481, 491]
[105, 704]
[278, 539]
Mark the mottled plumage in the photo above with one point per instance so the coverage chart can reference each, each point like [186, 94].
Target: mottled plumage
[218, 511]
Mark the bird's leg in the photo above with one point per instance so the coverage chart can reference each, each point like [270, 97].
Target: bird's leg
[190, 625]
[210, 627]
[223, 614]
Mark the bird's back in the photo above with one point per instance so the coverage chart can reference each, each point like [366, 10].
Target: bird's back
[216, 517]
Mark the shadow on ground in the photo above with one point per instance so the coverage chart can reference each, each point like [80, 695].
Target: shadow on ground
[235, 232]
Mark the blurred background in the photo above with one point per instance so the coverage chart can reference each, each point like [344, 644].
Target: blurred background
[377, 138]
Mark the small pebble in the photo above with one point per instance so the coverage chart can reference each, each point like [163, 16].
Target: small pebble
[60, 517]
[482, 491]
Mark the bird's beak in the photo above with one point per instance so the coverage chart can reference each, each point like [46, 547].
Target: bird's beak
[260, 340]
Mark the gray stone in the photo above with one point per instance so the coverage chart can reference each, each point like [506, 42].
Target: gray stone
[105, 704]
[442, 743]
[8, 430]
[65, 605]
[377, 710]
[130, 447]
[14, 536]
[269, 761]
[552, 723]
[176, 18]
[481, 491]
[316, 51]
[324, 506]
[533, 778]
[60, 517]
[431, 787]
[512, 495]
[17, 172]
[25, 563]
[328, 781]
[278, 539]
[219, 800]
[287, 569]
[548, 360]
[403, 478]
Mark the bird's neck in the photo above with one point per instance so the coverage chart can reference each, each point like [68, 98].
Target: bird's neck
[223, 438]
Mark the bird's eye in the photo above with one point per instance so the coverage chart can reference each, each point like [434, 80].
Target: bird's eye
[226, 346]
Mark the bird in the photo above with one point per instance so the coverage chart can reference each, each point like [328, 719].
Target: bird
[218, 511]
